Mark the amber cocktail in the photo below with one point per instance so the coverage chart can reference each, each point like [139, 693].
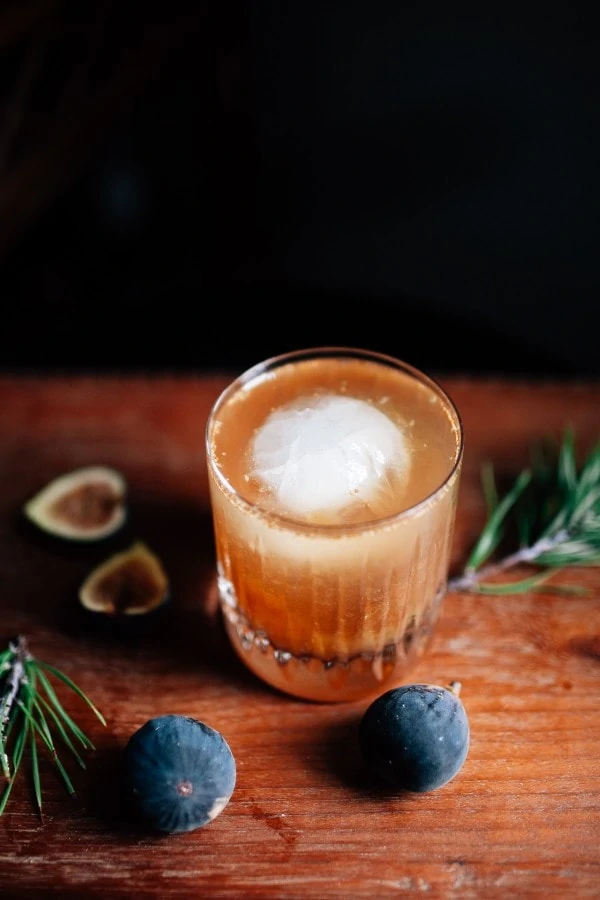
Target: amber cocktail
[333, 477]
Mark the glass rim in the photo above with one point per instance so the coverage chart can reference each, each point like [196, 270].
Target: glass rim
[273, 362]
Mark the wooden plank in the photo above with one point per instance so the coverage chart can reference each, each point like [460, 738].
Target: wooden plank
[305, 820]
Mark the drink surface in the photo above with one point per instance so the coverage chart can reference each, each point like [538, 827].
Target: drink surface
[328, 591]
[426, 451]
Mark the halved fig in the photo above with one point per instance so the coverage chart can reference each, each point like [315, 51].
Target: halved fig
[87, 504]
[130, 583]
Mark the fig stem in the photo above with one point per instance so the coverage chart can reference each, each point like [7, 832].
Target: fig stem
[455, 687]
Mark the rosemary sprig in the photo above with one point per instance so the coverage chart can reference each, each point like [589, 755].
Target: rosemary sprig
[30, 711]
[552, 511]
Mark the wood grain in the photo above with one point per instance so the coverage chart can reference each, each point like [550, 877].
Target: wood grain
[521, 819]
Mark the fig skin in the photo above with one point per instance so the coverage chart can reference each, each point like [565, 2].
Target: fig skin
[178, 773]
[416, 737]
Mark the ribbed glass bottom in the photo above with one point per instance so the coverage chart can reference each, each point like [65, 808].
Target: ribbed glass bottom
[360, 676]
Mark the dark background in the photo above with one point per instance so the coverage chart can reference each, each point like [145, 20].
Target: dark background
[266, 176]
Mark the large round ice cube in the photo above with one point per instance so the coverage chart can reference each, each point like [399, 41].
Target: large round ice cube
[321, 457]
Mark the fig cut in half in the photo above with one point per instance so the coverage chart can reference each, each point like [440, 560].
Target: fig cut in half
[87, 504]
[128, 584]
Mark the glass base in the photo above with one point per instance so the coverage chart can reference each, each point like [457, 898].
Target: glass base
[362, 676]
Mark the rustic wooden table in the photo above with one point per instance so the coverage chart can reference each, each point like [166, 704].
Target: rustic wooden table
[522, 818]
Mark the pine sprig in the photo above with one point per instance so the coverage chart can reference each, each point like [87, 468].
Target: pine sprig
[552, 513]
[31, 713]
